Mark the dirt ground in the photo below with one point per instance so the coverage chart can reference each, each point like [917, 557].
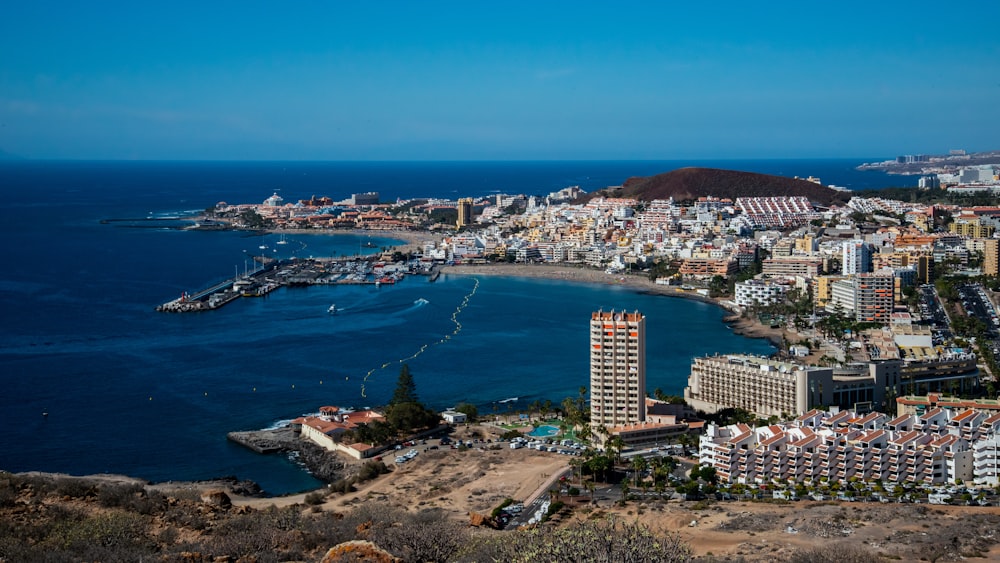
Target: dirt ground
[476, 480]
[759, 531]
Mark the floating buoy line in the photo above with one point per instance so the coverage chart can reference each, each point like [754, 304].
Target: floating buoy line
[422, 349]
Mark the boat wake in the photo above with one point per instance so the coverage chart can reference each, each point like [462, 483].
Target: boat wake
[510, 400]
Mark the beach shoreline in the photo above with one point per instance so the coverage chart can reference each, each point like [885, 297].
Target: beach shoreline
[746, 327]
[414, 241]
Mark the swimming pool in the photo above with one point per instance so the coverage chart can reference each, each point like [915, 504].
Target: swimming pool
[544, 431]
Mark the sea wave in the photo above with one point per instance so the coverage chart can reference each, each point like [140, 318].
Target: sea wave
[279, 424]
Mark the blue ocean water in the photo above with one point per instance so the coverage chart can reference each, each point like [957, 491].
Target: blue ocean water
[128, 390]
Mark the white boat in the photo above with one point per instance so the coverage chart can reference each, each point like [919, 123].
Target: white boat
[332, 309]
[282, 241]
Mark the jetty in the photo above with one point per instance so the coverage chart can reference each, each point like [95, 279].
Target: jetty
[266, 441]
[256, 284]
[295, 272]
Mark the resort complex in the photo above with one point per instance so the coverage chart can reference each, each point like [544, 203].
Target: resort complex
[939, 446]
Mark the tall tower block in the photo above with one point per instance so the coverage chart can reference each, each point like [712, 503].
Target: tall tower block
[617, 368]
[464, 212]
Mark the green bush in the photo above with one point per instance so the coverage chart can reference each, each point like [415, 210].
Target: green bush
[506, 502]
[510, 435]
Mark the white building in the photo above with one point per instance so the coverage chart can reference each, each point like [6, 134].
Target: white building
[857, 257]
[841, 446]
[760, 385]
[758, 293]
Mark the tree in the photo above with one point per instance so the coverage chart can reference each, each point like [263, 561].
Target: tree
[405, 412]
[407, 417]
[469, 410]
[406, 388]
[599, 464]
[615, 445]
[639, 465]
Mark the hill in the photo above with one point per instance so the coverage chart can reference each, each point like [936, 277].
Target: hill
[691, 183]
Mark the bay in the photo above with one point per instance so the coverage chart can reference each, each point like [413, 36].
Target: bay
[128, 390]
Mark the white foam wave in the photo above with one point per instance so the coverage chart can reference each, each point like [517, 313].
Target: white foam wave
[278, 424]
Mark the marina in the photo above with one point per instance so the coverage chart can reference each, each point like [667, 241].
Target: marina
[295, 272]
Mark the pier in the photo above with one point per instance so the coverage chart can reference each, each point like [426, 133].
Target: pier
[296, 272]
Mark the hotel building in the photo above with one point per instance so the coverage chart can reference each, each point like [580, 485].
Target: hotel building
[760, 385]
[931, 449]
[617, 369]
[464, 212]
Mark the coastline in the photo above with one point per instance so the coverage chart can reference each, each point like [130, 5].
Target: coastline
[749, 328]
[415, 239]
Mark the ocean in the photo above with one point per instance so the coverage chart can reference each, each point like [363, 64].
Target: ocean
[131, 391]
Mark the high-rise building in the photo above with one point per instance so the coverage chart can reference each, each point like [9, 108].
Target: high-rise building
[857, 257]
[464, 212]
[617, 369]
[991, 257]
[865, 297]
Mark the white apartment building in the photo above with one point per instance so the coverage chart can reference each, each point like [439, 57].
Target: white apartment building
[759, 293]
[856, 257]
[760, 385]
[617, 369]
[843, 445]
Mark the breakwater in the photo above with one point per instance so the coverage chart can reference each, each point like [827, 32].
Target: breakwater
[273, 274]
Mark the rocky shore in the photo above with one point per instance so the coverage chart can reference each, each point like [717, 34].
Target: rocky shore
[325, 465]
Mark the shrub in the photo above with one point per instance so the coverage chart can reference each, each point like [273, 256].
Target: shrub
[343, 486]
[315, 498]
[510, 435]
[113, 496]
[74, 488]
[370, 470]
[506, 502]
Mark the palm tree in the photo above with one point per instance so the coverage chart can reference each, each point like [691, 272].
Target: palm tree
[615, 444]
[639, 464]
[590, 487]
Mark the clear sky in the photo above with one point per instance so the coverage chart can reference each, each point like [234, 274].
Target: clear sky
[424, 80]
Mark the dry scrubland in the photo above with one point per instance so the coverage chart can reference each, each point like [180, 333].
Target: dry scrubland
[421, 512]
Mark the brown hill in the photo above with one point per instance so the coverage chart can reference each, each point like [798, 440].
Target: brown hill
[691, 183]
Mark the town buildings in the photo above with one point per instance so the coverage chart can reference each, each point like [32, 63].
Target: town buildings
[326, 429]
[760, 385]
[937, 447]
[768, 387]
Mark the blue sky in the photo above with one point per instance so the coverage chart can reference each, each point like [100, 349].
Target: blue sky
[498, 80]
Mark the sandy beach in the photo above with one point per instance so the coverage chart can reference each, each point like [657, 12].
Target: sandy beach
[750, 328]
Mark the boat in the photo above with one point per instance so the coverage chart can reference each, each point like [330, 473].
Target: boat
[332, 309]
[282, 241]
